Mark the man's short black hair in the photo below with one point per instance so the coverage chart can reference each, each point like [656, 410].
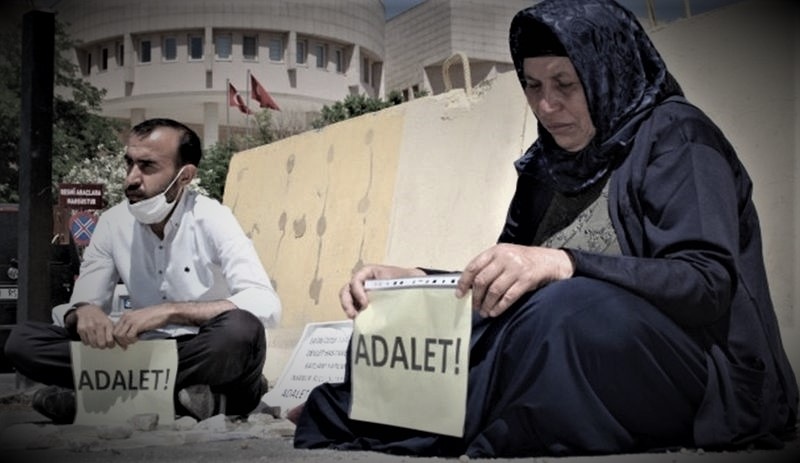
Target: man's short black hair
[189, 148]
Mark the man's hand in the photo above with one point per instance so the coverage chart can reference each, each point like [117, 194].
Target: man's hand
[353, 296]
[133, 322]
[500, 275]
[94, 327]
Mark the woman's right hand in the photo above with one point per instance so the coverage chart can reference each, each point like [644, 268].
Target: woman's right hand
[353, 296]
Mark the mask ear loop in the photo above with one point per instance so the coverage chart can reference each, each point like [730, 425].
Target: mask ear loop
[186, 179]
[173, 182]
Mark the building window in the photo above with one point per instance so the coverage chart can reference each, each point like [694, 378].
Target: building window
[170, 52]
[120, 55]
[88, 63]
[195, 47]
[249, 47]
[144, 51]
[322, 57]
[275, 50]
[104, 59]
[302, 51]
[365, 70]
[338, 58]
[222, 45]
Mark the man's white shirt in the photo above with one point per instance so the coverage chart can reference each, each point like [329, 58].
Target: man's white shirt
[204, 256]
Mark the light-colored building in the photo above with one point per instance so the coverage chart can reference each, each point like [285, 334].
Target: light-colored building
[420, 40]
[174, 59]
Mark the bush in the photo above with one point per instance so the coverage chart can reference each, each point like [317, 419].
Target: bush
[353, 106]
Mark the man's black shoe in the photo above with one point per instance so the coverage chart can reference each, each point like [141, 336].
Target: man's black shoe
[200, 402]
[56, 403]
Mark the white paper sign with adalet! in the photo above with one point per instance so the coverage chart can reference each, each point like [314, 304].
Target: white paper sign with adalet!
[410, 355]
[113, 385]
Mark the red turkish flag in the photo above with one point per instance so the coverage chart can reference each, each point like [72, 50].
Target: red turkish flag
[236, 100]
[261, 95]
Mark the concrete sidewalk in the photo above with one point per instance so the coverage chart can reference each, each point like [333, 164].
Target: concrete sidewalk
[26, 436]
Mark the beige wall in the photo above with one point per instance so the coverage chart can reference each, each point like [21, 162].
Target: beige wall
[317, 206]
[423, 183]
[428, 182]
[456, 176]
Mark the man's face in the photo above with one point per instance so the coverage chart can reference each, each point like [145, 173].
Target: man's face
[152, 164]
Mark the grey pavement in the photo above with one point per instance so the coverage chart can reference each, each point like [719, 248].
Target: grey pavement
[26, 436]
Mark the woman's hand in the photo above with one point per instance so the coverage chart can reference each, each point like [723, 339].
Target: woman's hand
[503, 273]
[353, 296]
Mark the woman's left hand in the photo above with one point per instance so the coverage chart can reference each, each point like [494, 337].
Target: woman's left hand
[503, 273]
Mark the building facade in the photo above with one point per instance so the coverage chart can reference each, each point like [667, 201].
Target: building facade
[177, 58]
[423, 38]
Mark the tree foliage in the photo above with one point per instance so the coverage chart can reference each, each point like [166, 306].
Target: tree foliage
[107, 168]
[352, 106]
[80, 133]
[213, 169]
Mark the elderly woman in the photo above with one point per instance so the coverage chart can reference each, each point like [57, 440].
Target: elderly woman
[625, 307]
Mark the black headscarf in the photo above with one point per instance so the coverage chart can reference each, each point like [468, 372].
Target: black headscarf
[623, 77]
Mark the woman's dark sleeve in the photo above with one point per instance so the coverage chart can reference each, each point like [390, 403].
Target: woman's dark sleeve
[688, 216]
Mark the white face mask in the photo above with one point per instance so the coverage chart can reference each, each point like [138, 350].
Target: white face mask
[154, 210]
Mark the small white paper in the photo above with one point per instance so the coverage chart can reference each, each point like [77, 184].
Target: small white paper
[319, 357]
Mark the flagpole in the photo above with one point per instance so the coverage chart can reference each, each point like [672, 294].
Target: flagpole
[247, 98]
[228, 107]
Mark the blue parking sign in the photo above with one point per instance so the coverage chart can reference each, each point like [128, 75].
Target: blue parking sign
[81, 227]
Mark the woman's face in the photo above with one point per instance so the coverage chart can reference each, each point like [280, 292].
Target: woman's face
[555, 94]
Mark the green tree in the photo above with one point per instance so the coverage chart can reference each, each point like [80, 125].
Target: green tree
[79, 131]
[214, 167]
[264, 131]
[109, 167]
[213, 170]
[352, 106]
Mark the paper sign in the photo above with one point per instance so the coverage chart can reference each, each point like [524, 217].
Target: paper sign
[113, 385]
[410, 359]
[319, 357]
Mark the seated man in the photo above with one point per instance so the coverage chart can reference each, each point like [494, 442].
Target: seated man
[191, 273]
